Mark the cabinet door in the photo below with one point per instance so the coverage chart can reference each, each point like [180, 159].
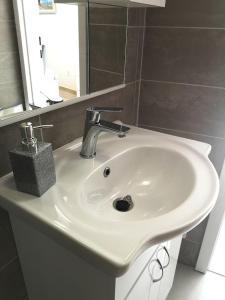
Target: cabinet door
[156, 273]
[127, 282]
[169, 264]
[148, 284]
[141, 288]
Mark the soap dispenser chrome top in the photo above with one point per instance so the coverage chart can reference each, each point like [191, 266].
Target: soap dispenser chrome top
[27, 133]
[94, 126]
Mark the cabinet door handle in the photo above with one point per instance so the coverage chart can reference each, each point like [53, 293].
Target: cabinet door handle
[168, 256]
[157, 261]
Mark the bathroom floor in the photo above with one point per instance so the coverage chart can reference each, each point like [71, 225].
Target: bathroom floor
[192, 285]
[67, 94]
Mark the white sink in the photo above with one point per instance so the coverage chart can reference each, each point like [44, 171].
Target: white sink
[158, 180]
[171, 181]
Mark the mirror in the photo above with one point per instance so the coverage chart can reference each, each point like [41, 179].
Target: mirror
[107, 40]
[68, 49]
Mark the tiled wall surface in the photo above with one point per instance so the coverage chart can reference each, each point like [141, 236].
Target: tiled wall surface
[111, 30]
[107, 32]
[183, 82]
[10, 77]
[68, 124]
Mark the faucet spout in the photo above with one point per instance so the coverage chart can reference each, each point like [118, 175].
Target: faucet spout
[93, 130]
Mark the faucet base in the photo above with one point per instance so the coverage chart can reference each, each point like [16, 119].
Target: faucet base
[87, 156]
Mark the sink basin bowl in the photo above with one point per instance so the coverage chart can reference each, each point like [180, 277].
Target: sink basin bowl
[158, 181]
[167, 185]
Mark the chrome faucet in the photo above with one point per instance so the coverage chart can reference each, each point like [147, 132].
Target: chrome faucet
[94, 126]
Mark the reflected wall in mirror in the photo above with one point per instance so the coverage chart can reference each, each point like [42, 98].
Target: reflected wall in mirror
[67, 49]
[11, 88]
[107, 35]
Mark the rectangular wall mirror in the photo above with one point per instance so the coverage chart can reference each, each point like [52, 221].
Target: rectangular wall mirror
[67, 49]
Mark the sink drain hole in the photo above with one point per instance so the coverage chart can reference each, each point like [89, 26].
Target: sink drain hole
[106, 172]
[123, 204]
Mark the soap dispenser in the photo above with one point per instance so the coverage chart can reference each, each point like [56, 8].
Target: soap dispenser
[32, 162]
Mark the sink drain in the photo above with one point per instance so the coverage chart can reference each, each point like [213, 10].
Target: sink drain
[123, 204]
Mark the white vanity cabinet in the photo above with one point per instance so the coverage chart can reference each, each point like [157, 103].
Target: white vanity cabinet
[53, 272]
[156, 279]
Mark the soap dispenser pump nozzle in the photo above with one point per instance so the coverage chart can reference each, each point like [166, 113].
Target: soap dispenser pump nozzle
[27, 133]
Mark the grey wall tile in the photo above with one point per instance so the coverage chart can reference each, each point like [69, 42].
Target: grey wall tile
[185, 55]
[125, 98]
[6, 10]
[135, 39]
[136, 16]
[12, 285]
[107, 44]
[106, 14]
[129, 101]
[196, 235]
[100, 79]
[4, 219]
[8, 248]
[9, 138]
[11, 94]
[183, 107]
[10, 67]
[8, 39]
[10, 76]
[68, 124]
[201, 13]
[189, 252]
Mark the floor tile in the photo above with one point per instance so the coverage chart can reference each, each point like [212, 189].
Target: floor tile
[192, 285]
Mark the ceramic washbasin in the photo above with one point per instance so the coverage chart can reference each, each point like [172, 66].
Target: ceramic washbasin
[171, 181]
[157, 179]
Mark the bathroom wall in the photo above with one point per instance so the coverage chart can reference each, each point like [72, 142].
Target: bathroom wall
[68, 124]
[107, 32]
[10, 77]
[108, 37]
[183, 82]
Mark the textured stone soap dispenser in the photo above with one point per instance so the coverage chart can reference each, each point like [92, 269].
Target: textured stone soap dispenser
[32, 162]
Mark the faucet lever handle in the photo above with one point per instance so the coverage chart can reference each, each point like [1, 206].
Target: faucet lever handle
[94, 113]
[43, 126]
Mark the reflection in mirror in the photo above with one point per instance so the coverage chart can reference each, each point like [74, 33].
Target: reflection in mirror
[63, 67]
[67, 49]
[11, 89]
[55, 50]
[107, 36]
